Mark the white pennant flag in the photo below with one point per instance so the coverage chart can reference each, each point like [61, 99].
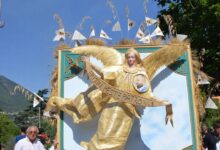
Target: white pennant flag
[150, 21]
[131, 24]
[210, 104]
[49, 114]
[46, 113]
[157, 32]
[139, 34]
[202, 81]
[92, 33]
[116, 27]
[60, 35]
[78, 36]
[104, 35]
[145, 39]
[181, 37]
[37, 100]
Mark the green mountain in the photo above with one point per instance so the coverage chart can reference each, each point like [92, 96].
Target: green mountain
[11, 101]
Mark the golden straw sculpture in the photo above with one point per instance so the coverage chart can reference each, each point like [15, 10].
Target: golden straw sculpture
[116, 90]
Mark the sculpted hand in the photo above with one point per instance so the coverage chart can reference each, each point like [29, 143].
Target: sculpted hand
[53, 104]
[85, 58]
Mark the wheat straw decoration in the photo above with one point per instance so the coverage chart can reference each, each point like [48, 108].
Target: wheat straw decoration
[127, 12]
[59, 20]
[83, 21]
[111, 5]
[145, 7]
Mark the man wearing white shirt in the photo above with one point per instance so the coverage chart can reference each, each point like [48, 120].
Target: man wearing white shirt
[218, 146]
[30, 142]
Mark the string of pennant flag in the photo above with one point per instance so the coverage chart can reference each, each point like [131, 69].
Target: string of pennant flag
[141, 35]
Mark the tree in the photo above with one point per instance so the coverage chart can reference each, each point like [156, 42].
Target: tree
[8, 129]
[199, 19]
[30, 115]
[42, 94]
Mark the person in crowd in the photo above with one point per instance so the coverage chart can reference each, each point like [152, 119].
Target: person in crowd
[30, 142]
[211, 139]
[22, 134]
[55, 145]
[218, 145]
[42, 136]
[217, 134]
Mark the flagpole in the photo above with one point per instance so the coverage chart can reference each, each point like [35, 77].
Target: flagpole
[114, 12]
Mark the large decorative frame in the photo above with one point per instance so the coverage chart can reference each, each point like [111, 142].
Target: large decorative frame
[145, 132]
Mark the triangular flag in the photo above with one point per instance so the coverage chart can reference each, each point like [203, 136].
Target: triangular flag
[202, 81]
[157, 32]
[104, 35]
[145, 39]
[150, 21]
[131, 24]
[116, 27]
[78, 36]
[60, 35]
[181, 37]
[92, 33]
[46, 113]
[50, 114]
[37, 100]
[139, 34]
[210, 104]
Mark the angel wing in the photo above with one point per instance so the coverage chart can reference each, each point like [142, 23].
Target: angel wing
[108, 56]
[164, 56]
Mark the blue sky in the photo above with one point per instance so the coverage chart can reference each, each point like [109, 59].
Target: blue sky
[26, 44]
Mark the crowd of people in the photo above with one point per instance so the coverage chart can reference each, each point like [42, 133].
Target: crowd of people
[35, 138]
[211, 137]
[32, 138]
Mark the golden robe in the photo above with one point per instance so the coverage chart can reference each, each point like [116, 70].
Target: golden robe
[116, 118]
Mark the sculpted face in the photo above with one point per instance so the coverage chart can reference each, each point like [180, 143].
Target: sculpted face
[131, 59]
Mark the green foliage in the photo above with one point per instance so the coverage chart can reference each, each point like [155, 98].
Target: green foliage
[30, 116]
[211, 116]
[199, 19]
[49, 129]
[8, 129]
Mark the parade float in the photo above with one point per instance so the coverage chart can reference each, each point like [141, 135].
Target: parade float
[99, 104]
